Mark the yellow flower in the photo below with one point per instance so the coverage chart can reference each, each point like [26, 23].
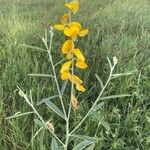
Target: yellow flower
[81, 64]
[67, 46]
[73, 6]
[73, 29]
[65, 75]
[80, 88]
[59, 27]
[80, 59]
[65, 67]
[78, 82]
[63, 23]
[75, 79]
[79, 54]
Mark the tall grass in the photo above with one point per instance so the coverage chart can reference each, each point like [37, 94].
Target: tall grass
[119, 28]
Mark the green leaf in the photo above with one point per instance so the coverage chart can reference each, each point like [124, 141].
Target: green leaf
[123, 74]
[47, 99]
[33, 47]
[64, 86]
[54, 144]
[97, 107]
[99, 80]
[104, 123]
[38, 122]
[40, 75]
[54, 108]
[20, 114]
[91, 147]
[82, 145]
[115, 96]
[83, 137]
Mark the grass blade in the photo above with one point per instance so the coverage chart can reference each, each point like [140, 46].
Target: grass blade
[20, 114]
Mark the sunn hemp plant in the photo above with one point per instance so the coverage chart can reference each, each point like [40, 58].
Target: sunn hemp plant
[73, 58]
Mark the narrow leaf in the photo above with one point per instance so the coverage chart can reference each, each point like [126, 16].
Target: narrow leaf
[20, 114]
[40, 75]
[97, 107]
[64, 86]
[54, 108]
[115, 96]
[47, 99]
[83, 137]
[54, 144]
[34, 48]
[38, 122]
[99, 80]
[100, 119]
[123, 74]
[82, 145]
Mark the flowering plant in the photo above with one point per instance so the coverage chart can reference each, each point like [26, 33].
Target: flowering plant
[74, 57]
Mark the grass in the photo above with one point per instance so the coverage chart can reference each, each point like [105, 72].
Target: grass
[117, 28]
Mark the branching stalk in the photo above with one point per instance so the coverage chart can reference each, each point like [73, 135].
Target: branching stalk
[95, 103]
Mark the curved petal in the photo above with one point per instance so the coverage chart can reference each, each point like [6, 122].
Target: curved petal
[67, 46]
[65, 67]
[75, 79]
[65, 75]
[80, 88]
[73, 6]
[76, 24]
[79, 55]
[83, 32]
[59, 27]
[71, 31]
[81, 64]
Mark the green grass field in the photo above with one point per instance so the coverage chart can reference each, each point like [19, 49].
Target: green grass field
[118, 28]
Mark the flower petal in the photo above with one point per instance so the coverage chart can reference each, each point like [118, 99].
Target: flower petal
[81, 64]
[64, 18]
[79, 55]
[67, 46]
[65, 75]
[73, 6]
[83, 32]
[71, 31]
[80, 87]
[65, 67]
[75, 79]
[59, 27]
[75, 24]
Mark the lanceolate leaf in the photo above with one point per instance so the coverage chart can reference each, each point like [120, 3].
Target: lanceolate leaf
[115, 96]
[83, 137]
[47, 99]
[54, 144]
[53, 107]
[20, 114]
[82, 145]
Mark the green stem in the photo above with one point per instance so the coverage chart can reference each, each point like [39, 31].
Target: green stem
[55, 77]
[95, 103]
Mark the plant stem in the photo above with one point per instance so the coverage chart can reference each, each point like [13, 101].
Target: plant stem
[98, 98]
[54, 72]
[39, 116]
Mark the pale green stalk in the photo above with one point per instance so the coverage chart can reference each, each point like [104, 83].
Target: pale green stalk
[98, 98]
[53, 69]
[39, 116]
[72, 92]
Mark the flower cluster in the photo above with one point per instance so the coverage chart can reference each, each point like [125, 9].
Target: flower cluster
[72, 30]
